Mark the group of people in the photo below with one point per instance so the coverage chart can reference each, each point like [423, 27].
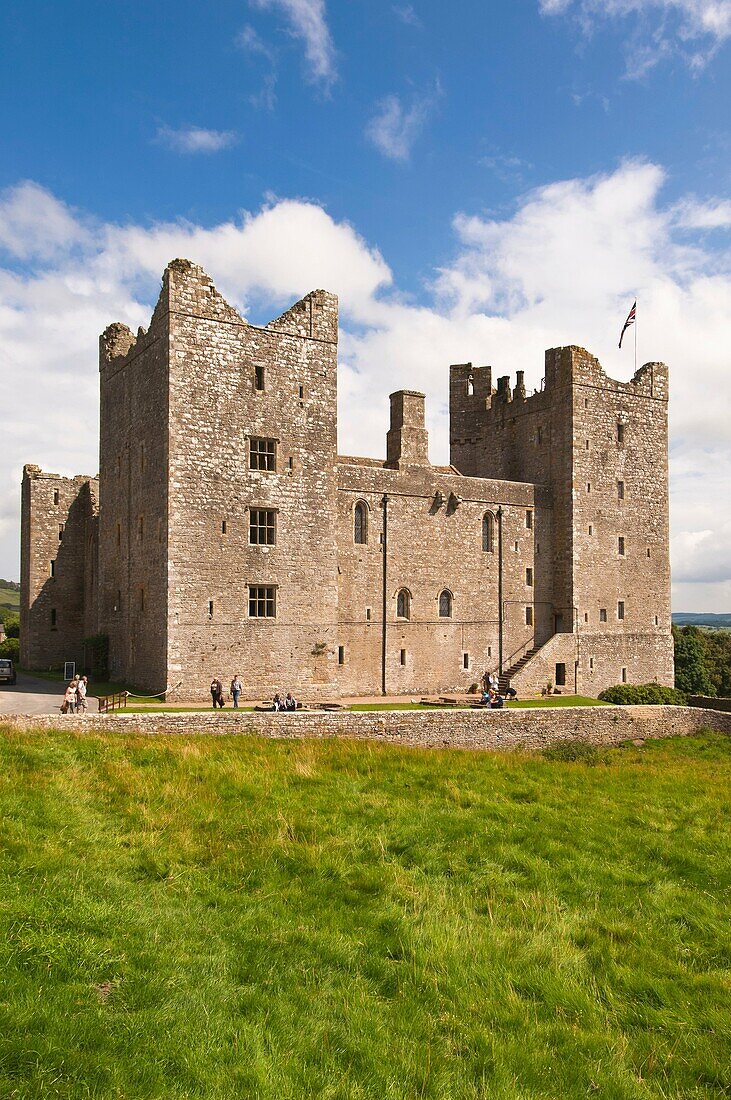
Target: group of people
[288, 703]
[234, 690]
[491, 696]
[74, 698]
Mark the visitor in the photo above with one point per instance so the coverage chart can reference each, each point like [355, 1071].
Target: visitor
[217, 693]
[290, 703]
[69, 699]
[510, 692]
[81, 689]
[236, 689]
[278, 703]
[497, 701]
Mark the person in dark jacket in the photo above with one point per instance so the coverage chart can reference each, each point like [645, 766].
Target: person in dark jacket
[217, 693]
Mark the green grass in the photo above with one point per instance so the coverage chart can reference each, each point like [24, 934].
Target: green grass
[232, 917]
[9, 601]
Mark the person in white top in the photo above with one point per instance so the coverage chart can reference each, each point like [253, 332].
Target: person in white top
[81, 690]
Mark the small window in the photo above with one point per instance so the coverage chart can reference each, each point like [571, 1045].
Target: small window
[262, 454]
[119, 534]
[591, 664]
[489, 651]
[445, 604]
[55, 496]
[403, 656]
[586, 402]
[262, 601]
[591, 529]
[60, 531]
[302, 392]
[142, 599]
[620, 490]
[657, 621]
[262, 527]
[588, 486]
[488, 533]
[620, 609]
[258, 378]
[368, 614]
[360, 523]
[515, 547]
[620, 545]
[403, 604]
[586, 616]
[529, 615]
[648, 551]
[529, 577]
[560, 675]
[624, 675]
[341, 654]
[620, 432]
[529, 519]
[54, 618]
[210, 609]
[586, 444]
[223, 526]
[53, 569]
[602, 614]
[290, 462]
[465, 660]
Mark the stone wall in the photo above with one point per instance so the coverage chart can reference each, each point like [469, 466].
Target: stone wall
[58, 583]
[709, 702]
[466, 729]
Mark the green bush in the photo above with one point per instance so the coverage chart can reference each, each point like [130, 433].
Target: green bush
[12, 625]
[10, 648]
[643, 695]
[566, 752]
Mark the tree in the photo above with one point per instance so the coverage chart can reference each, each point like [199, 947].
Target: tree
[691, 671]
[12, 625]
[10, 649]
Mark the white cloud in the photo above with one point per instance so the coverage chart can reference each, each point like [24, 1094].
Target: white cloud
[704, 215]
[661, 26]
[193, 139]
[307, 21]
[407, 14]
[395, 128]
[562, 269]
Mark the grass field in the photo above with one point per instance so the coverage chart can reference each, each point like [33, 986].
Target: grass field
[9, 601]
[229, 917]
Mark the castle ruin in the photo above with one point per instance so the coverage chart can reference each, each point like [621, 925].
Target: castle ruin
[226, 535]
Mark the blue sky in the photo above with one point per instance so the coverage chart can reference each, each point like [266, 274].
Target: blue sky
[476, 180]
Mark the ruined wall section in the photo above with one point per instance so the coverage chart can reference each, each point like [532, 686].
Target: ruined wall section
[233, 385]
[58, 567]
[133, 492]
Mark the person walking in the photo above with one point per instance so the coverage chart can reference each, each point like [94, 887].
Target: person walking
[69, 699]
[236, 689]
[216, 693]
[81, 689]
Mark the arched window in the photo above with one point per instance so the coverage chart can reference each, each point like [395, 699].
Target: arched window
[445, 604]
[488, 533]
[360, 523]
[403, 604]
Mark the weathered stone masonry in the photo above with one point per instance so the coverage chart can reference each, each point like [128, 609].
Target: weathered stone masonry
[231, 537]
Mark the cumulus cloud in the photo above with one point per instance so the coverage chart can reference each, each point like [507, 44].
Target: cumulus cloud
[307, 21]
[395, 127]
[194, 139]
[695, 27]
[563, 268]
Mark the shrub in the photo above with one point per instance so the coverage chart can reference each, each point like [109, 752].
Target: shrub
[12, 625]
[567, 752]
[10, 648]
[643, 695]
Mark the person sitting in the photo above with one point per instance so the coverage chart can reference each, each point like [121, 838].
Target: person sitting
[497, 701]
[290, 703]
[278, 703]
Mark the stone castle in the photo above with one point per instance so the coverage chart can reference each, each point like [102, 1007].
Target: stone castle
[225, 534]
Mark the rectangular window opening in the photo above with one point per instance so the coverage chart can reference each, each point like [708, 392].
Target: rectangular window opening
[403, 656]
[55, 496]
[529, 616]
[591, 529]
[620, 490]
[489, 651]
[262, 601]
[53, 568]
[54, 618]
[259, 378]
[620, 609]
[624, 675]
[119, 534]
[588, 486]
[142, 599]
[368, 614]
[591, 664]
[602, 614]
[210, 609]
[529, 577]
[620, 545]
[291, 463]
[620, 433]
[302, 392]
[529, 519]
[262, 527]
[341, 654]
[465, 660]
[560, 675]
[262, 454]
[657, 621]
[223, 526]
[60, 531]
[586, 616]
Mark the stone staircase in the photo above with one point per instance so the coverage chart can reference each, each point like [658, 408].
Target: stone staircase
[509, 673]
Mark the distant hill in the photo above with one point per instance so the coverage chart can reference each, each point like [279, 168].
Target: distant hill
[694, 618]
[9, 597]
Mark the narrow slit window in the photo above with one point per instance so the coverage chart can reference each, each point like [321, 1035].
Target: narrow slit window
[368, 614]
[55, 496]
[360, 524]
[620, 490]
[529, 577]
[141, 528]
[624, 675]
[602, 614]
[620, 609]
[210, 609]
[465, 660]
[53, 568]
[529, 615]
[60, 531]
[119, 534]
[142, 599]
[341, 654]
[529, 519]
[258, 378]
[223, 526]
[620, 432]
[403, 656]
[620, 546]
[488, 533]
[302, 392]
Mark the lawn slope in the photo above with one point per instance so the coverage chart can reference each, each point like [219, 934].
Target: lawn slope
[229, 917]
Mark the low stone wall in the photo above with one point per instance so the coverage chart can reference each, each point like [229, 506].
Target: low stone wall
[709, 702]
[467, 729]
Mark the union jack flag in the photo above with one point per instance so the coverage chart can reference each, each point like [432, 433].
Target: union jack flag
[630, 321]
